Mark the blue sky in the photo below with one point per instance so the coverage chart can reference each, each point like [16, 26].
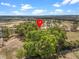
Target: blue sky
[39, 7]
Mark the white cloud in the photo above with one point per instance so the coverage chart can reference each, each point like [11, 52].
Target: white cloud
[70, 2]
[66, 2]
[63, 12]
[16, 13]
[7, 4]
[57, 12]
[74, 1]
[56, 5]
[13, 5]
[25, 7]
[38, 12]
[69, 11]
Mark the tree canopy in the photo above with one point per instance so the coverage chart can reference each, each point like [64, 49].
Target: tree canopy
[43, 43]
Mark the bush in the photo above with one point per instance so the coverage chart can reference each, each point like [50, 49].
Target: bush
[6, 32]
[60, 37]
[41, 43]
[24, 28]
[20, 53]
[44, 46]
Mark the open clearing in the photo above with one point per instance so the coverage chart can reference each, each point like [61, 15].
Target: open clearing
[8, 52]
[72, 36]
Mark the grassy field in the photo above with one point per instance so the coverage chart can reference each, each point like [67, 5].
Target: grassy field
[72, 36]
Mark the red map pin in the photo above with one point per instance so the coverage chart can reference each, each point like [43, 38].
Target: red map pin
[39, 22]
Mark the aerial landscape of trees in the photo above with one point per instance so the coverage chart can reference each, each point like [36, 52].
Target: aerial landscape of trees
[38, 42]
[41, 43]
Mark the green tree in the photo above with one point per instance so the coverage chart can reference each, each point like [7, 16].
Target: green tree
[24, 28]
[40, 43]
[6, 32]
[60, 35]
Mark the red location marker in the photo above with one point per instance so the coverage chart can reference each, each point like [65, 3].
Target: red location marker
[39, 22]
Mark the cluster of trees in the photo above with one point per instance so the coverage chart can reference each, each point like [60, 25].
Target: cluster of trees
[43, 43]
[6, 32]
[24, 28]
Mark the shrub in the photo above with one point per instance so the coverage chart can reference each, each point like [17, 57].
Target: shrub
[20, 53]
[24, 28]
[41, 43]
